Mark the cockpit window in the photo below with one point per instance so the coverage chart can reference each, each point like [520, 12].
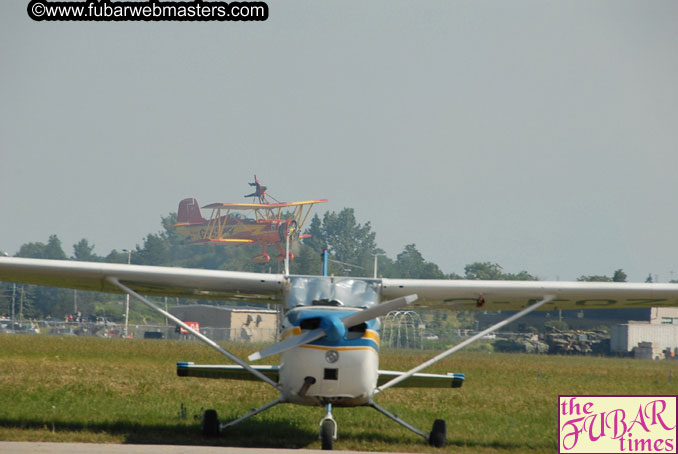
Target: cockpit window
[331, 291]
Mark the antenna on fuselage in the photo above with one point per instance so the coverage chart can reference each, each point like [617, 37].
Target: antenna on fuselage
[325, 256]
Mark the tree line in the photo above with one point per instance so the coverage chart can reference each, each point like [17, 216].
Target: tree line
[352, 246]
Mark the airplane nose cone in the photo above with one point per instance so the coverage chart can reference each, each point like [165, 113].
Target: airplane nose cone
[333, 327]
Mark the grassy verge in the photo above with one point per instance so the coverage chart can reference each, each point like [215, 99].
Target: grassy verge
[127, 391]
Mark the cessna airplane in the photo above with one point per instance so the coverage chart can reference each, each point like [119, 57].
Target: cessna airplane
[330, 347]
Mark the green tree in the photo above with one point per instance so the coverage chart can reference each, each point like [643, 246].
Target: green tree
[85, 252]
[410, 264]
[345, 239]
[307, 261]
[51, 250]
[38, 300]
[317, 240]
[594, 278]
[483, 271]
[155, 251]
[522, 276]
[619, 276]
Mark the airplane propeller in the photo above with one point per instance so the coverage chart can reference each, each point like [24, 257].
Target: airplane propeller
[333, 327]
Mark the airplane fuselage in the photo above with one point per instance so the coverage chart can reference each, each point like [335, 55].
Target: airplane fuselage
[262, 231]
[343, 371]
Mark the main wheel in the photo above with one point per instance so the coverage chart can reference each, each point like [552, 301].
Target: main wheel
[438, 435]
[210, 424]
[261, 258]
[327, 435]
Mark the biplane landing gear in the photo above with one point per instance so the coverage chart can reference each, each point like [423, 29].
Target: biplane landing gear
[281, 257]
[328, 429]
[210, 424]
[261, 258]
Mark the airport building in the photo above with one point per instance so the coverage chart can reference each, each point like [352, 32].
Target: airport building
[239, 324]
[656, 335]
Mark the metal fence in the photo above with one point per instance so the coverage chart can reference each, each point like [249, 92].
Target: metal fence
[133, 331]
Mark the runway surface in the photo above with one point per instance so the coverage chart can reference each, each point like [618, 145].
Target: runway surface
[22, 447]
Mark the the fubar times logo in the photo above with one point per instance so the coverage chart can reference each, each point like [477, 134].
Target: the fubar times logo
[617, 424]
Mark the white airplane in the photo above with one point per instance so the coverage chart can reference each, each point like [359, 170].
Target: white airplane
[330, 347]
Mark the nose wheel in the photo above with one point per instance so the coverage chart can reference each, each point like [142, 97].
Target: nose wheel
[328, 429]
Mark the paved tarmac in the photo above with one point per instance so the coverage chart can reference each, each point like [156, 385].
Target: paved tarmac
[22, 447]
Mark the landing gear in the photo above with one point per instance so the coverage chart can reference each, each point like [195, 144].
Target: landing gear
[212, 427]
[261, 258]
[281, 257]
[210, 424]
[438, 435]
[328, 429]
[436, 438]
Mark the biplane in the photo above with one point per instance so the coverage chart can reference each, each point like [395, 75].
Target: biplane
[329, 352]
[272, 223]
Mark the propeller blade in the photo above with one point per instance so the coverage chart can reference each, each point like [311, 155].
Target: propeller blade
[352, 320]
[288, 344]
[378, 310]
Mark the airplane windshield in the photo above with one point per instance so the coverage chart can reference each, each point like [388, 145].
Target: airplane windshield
[332, 291]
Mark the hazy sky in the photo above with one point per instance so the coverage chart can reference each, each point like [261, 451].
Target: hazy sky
[541, 135]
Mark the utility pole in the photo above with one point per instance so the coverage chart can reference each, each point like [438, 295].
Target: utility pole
[13, 298]
[129, 260]
[21, 308]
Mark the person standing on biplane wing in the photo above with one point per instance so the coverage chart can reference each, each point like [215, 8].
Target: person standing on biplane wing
[260, 193]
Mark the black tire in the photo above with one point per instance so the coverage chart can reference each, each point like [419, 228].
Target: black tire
[438, 436]
[327, 435]
[210, 424]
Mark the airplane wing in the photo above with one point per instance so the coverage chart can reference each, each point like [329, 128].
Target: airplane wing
[421, 380]
[234, 372]
[230, 372]
[148, 280]
[258, 206]
[261, 287]
[516, 295]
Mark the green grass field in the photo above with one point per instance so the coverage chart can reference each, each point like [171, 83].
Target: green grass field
[126, 391]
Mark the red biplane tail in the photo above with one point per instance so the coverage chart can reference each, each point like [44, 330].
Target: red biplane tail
[189, 212]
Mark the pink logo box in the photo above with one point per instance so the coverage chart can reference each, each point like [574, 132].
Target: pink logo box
[617, 424]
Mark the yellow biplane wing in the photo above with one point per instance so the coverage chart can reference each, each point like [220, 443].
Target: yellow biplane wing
[264, 211]
[261, 206]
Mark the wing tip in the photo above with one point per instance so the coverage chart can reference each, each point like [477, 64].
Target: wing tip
[411, 298]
